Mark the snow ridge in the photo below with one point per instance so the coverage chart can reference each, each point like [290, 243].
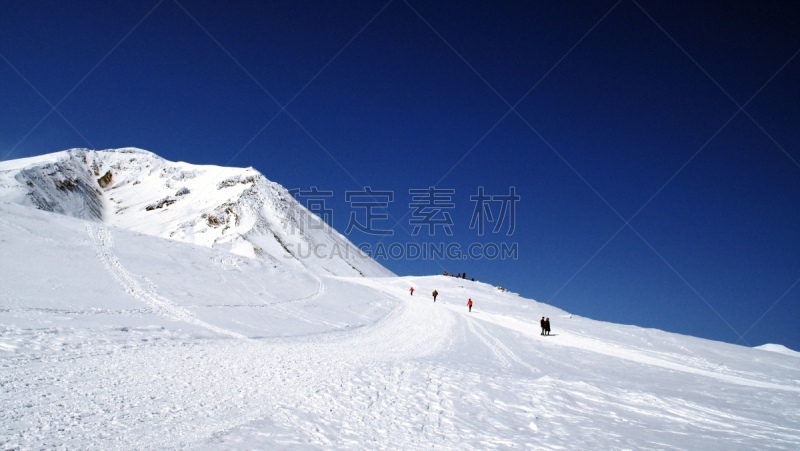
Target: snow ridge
[232, 209]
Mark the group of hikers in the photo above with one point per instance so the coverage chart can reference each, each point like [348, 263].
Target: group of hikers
[436, 293]
[544, 322]
[461, 275]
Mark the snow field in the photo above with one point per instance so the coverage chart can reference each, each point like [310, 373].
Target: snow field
[115, 340]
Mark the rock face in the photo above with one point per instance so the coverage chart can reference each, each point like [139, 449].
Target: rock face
[233, 209]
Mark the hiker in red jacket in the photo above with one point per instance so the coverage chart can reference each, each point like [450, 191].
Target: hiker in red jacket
[411, 290]
[469, 304]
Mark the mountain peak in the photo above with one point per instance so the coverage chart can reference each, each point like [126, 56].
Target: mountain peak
[234, 209]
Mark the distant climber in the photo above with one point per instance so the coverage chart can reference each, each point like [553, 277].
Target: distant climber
[435, 293]
[542, 323]
[411, 290]
[469, 304]
[547, 326]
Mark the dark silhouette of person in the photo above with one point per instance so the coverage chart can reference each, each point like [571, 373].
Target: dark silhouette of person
[541, 323]
[435, 293]
[411, 290]
[547, 326]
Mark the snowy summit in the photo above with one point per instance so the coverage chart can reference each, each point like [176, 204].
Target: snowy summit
[233, 209]
[146, 304]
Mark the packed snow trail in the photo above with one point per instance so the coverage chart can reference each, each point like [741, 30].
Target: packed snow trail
[229, 384]
[103, 243]
[405, 382]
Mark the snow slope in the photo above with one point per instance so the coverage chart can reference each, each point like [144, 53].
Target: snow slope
[114, 339]
[233, 209]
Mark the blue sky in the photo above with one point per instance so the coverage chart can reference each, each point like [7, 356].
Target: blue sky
[654, 146]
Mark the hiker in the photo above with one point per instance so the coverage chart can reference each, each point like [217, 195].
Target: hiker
[541, 323]
[411, 290]
[435, 293]
[547, 326]
[469, 304]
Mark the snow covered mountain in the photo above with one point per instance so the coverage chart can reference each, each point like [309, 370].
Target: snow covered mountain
[115, 334]
[233, 209]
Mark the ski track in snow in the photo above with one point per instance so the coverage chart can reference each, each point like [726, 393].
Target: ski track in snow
[103, 243]
[200, 392]
[496, 346]
[585, 342]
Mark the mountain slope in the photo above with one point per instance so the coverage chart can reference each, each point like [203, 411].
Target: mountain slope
[118, 340]
[232, 209]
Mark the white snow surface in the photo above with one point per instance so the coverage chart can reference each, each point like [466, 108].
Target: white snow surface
[112, 339]
[772, 347]
[192, 325]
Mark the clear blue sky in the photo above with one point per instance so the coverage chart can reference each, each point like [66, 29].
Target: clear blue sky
[654, 145]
